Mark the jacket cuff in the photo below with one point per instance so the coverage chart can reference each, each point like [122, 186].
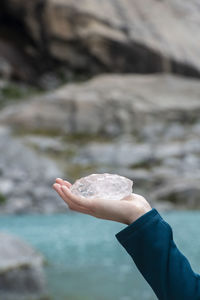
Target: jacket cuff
[128, 232]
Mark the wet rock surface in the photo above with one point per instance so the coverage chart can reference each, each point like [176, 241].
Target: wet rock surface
[21, 271]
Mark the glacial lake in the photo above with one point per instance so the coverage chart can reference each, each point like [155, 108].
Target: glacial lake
[85, 260]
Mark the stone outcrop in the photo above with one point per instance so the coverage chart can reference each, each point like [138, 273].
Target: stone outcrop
[94, 36]
[147, 106]
[26, 178]
[165, 171]
[150, 124]
[21, 271]
[152, 121]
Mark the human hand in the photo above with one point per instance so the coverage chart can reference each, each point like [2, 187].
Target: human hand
[126, 210]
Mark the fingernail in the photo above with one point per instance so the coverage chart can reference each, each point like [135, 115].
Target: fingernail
[57, 184]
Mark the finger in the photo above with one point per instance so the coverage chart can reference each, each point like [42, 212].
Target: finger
[71, 205]
[67, 183]
[84, 202]
[57, 187]
[80, 209]
[63, 182]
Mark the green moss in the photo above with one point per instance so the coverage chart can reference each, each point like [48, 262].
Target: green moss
[142, 165]
[146, 164]
[39, 131]
[84, 138]
[69, 138]
[2, 199]
[60, 156]
[75, 171]
[11, 92]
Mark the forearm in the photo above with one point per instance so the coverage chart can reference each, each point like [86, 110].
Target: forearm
[149, 241]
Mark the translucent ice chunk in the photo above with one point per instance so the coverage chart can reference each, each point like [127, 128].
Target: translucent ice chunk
[104, 186]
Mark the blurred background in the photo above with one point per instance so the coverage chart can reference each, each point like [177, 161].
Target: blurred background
[90, 86]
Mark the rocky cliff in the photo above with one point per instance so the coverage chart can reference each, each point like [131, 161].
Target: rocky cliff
[92, 36]
[111, 105]
[144, 127]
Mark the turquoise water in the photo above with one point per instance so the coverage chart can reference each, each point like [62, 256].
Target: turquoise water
[85, 261]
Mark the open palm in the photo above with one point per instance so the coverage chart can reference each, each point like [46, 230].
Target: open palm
[126, 210]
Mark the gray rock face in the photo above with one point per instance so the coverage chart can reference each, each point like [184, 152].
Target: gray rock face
[26, 178]
[154, 130]
[117, 36]
[166, 172]
[183, 192]
[113, 104]
[14, 62]
[21, 271]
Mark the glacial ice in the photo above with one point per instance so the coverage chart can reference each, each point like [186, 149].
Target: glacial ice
[104, 186]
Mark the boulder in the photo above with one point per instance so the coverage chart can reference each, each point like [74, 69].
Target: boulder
[21, 271]
[111, 36]
[118, 154]
[26, 178]
[182, 193]
[166, 173]
[148, 106]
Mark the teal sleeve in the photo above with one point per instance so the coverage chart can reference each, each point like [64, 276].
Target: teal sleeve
[149, 241]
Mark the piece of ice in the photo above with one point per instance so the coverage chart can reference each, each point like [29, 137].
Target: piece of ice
[104, 186]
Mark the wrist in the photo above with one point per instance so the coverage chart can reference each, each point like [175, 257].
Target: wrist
[137, 214]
